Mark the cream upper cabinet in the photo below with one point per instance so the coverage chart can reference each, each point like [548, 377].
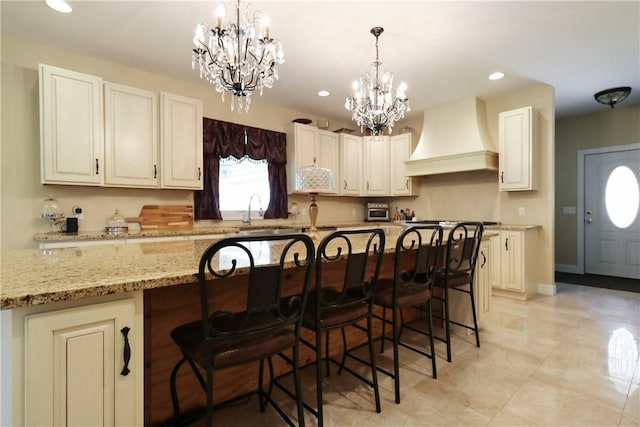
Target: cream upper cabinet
[84, 366]
[71, 130]
[307, 143]
[131, 136]
[376, 165]
[516, 150]
[513, 264]
[350, 165]
[399, 151]
[181, 142]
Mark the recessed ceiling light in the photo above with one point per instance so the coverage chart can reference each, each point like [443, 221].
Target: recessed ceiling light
[59, 5]
[323, 93]
[496, 76]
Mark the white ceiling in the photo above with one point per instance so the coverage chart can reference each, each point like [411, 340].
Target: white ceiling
[443, 50]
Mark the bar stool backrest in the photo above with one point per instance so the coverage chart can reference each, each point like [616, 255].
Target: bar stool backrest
[362, 252]
[417, 256]
[274, 300]
[463, 245]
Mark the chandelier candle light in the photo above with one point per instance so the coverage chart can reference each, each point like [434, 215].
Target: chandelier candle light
[371, 103]
[239, 56]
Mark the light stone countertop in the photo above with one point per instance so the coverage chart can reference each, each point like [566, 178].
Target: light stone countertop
[45, 276]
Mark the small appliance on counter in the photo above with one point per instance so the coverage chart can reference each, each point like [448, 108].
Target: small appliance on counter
[117, 224]
[378, 212]
[52, 212]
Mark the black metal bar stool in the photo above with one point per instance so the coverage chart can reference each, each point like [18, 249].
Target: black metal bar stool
[457, 274]
[347, 267]
[415, 265]
[268, 324]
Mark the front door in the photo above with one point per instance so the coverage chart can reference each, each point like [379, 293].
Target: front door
[612, 222]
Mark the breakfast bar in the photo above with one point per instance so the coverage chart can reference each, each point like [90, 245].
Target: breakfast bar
[158, 281]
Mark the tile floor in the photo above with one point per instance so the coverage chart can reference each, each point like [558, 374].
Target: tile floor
[566, 360]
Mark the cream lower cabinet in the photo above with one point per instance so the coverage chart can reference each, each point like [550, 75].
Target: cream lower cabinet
[459, 306]
[80, 368]
[513, 273]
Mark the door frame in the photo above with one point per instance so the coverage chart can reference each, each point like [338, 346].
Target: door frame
[580, 198]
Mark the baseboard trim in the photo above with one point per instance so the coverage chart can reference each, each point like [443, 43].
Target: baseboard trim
[568, 268]
[547, 289]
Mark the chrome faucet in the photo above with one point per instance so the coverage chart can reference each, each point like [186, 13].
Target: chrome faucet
[247, 220]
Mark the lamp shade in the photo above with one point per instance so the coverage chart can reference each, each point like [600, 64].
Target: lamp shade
[612, 96]
[314, 179]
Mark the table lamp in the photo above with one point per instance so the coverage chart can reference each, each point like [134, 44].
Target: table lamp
[313, 180]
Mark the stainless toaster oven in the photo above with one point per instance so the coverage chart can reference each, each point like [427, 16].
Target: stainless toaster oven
[378, 212]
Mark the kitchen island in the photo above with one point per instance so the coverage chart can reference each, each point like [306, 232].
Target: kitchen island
[158, 278]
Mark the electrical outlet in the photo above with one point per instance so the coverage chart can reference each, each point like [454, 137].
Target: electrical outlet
[521, 211]
[77, 212]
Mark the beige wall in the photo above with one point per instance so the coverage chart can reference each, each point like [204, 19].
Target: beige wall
[475, 195]
[609, 127]
[21, 190]
[456, 196]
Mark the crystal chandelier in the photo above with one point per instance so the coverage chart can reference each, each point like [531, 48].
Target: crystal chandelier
[371, 103]
[240, 56]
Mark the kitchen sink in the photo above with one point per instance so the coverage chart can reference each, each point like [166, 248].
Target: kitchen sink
[268, 231]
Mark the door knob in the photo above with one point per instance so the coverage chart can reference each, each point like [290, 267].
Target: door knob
[589, 221]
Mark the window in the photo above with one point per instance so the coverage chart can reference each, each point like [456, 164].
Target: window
[262, 171]
[239, 181]
[622, 197]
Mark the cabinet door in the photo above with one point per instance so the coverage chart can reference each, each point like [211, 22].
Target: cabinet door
[328, 154]
[495, 266]
[516, 150]
[70, 127]
[376, 166]
[483, 279]
[131, 136]
[181, 142]
[399, 151]
[74, 362]
[350, 165]
[512, 261]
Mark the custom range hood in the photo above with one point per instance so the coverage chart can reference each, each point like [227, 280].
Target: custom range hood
[454, 139]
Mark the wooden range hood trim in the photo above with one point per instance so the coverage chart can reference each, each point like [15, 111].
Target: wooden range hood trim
[463, 162]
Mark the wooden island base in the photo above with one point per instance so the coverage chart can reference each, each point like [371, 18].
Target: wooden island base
[168, 307]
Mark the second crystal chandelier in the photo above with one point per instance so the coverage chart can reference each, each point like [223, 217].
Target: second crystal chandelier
[239, 57]
[372, 103]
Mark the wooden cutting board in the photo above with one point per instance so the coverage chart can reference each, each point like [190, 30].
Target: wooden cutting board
[164, 217]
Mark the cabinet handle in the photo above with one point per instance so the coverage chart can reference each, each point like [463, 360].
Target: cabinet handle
[406, 184]
[502, 177]
[199, 174]
[345, 184]
[155, 171]
[127, 351]
[484, 259]
[506, 244]
[367, 185]
[97, 167]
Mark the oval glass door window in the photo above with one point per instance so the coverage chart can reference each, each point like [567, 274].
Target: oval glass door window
[622, 196]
